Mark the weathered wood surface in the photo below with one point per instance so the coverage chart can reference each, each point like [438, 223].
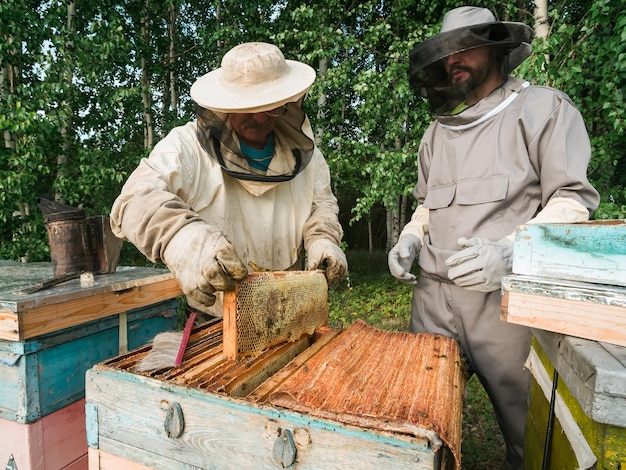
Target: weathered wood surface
[24, 316]
[406, 383]
[224, 431]
[592, 251]
[99, 460]
[269, 308]
[56, 441]
[41, 375]
[570, 448]
[585, 310]
[596, 367]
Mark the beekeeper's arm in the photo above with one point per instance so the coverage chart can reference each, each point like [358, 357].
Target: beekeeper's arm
[322, 231]
[151, 212]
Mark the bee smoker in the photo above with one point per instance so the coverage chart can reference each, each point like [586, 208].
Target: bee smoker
[78, 243]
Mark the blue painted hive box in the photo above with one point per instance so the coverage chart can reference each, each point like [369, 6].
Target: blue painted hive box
[49, 338]
[593, 251]
[43, 374]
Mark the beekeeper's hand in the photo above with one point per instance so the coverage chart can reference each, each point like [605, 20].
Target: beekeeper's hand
[481, 264]
[401, 257]
[203, 262]
[324, 253]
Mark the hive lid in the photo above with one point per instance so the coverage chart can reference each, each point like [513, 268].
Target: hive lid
[389, 381]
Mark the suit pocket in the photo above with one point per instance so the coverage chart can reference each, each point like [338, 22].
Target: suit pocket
[440, 196]
[482, 190]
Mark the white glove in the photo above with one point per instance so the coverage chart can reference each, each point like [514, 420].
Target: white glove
[401, 257]
[324, 252]
[203, 262]
[481, 265]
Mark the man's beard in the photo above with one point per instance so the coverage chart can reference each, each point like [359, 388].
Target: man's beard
[466, 84]
[475, 77]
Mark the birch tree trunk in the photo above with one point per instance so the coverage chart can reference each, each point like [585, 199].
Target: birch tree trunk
[542, 26]
[170, 87]
[146, 97]
[66, 106]
[321, 102]
[7, 87]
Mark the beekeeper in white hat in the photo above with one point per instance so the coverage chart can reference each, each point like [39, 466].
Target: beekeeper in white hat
[500, 153]
[241, 188]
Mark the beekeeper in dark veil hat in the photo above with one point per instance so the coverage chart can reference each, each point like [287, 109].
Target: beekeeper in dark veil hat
[242, 188]
[463, 29]
[500, 153]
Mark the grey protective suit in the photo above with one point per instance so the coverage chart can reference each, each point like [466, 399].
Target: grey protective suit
[518, 155]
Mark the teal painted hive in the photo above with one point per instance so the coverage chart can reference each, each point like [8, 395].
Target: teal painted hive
[43, 374]
[50, 337]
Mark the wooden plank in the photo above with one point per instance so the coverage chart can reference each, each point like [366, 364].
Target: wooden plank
[248, 378]
[57, 316]
[224, 432]
[577, 442]
[599, 322]
[82, 463]
[407, 383]
[99, 460]
[589, 251]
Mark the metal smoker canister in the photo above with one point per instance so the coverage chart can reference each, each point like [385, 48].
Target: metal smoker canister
[71, 248]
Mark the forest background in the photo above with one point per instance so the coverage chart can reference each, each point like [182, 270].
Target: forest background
[88, 88]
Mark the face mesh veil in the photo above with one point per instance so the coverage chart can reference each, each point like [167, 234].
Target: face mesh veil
[427, 73]
[218, 139]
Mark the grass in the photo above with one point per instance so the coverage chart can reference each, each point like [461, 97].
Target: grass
[371, 294]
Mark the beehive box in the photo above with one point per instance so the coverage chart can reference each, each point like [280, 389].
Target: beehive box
[45, 373]
[338, 399]
[56, 441]
[583, 309]
[590, 403]
[592, 251]
[50, 337]
[25, 316]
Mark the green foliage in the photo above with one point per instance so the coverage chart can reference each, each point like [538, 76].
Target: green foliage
[370, 294]
[585, 56]
[482, 445]
[72, 110]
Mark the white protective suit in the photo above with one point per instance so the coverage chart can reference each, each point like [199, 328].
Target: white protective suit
[269, 224]
[519, 155]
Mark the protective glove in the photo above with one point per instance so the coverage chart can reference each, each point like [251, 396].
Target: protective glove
[481, 264]
[324, 252]
[203, 262]
[401, 257]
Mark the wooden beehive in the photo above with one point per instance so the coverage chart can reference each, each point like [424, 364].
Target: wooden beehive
[50, 337]
[360, 397]
[56, 441]
[589, 405]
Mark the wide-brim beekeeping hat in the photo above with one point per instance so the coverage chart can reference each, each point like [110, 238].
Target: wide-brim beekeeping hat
[253, 77]
[462, 29]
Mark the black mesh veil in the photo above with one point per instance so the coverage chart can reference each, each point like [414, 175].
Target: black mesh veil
[218, 139]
